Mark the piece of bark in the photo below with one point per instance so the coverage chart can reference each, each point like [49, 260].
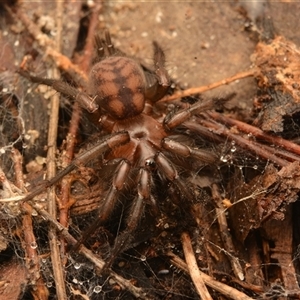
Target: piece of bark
[12, 280]
[265, 197]
[279, 81]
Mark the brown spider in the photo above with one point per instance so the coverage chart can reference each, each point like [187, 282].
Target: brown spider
[140, 137]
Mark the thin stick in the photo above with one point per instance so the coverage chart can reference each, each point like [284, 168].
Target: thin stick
[244, 143]
[222, 288]
[193, 267]
[39, 289]
[85, 59]
[202, 89]
[58, 273]
[225, 234]
[64, 201]
[257, 132]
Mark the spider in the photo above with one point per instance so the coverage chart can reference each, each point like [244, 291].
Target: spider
[140, 134]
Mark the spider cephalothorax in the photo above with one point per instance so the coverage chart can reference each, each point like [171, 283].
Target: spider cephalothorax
[140, 137]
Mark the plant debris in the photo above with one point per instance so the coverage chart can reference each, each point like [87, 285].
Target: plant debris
[237, 239]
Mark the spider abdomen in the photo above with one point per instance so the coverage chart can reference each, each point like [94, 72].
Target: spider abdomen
[119, 86]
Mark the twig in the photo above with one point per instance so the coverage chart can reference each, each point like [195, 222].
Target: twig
[222, 288]
[244, 143]
[193, 267]
[85, 59]
[58, 273]
[64, 201]
[225, 234]
[32, 260]
[256, 132]
[217, 130]
[7, 190]
[202, 89]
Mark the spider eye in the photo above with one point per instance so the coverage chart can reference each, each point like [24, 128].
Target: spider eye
[119, 84]
[149, 162]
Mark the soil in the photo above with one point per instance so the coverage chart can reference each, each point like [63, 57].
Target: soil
[244, 232]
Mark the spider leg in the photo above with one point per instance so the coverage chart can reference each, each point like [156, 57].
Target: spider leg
[159, 64]
[167, 168]
[83, 98]
[173, 120]
[109, 44]
[136, 211]
[109, 142]
[106, 47]
[157, 90]
[186, 151]
[109, 202]
[99, 46]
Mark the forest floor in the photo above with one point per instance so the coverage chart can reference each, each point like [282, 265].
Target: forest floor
[241, 241]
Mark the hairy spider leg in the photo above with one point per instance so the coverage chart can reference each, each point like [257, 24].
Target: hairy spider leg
[82, 97]
[135, 213]
[167, 168]
[162, 80]
[109, 142]
[107, 46]
[175, 119]
[186, 151]
[109, 202]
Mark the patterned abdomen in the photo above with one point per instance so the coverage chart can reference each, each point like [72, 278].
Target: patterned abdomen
[119, 84]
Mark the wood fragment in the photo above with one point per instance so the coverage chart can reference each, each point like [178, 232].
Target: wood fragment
[193, 267]
[280, 234]
[224, 289]
[225, 234]
[56, 258]
[12, 280]
[278, 78]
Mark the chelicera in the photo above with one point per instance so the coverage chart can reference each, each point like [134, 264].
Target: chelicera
[138, 133]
